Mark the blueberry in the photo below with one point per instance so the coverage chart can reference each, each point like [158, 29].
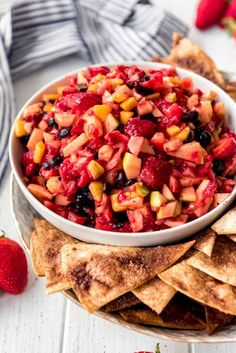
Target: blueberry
[121, 179]
[52, 123]
[203, 137]
[218, 166]
[64, 132]
[107, 189]
[191, 117]
[55, 161]
[25, 139]
[121, 217]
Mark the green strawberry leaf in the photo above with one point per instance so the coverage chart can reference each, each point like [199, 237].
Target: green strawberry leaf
[158, 348]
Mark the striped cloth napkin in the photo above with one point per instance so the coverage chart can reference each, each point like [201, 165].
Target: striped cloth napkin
[35, 33]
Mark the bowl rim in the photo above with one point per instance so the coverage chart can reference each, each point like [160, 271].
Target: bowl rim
[137, 235]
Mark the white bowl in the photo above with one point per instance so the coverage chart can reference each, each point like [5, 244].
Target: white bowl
[113, 238]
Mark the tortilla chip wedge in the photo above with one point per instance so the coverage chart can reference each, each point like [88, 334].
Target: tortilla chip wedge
[221, 265]
[226, 224]
[45, 248]
[99, 274]
[201, 287]
[205, 241]
[127, 300]
[215, 319]
[156, 294]
[175, 316]
[36, 254]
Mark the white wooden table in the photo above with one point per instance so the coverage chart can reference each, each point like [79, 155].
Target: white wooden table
[36, 323]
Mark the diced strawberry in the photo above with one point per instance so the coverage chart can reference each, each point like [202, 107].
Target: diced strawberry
[155, 172]
[117, 139]
[135, 219]
[174, 185]
[225, 148]
[30, 169]
[82, 101]
[103, 70]
[138, 127]
[78, 128]
[154, 82]
[27, 158]
[158, 140]
[61, 211]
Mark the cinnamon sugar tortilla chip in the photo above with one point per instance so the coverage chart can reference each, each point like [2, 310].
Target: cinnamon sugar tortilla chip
[127, 300]
[36, 254]
[99, 274]
[226, 224]
[156, 294]
[201, 287]
[221, 265]
[215, 319]
[205, 241]
[45, 249]
[175, 315]
[189, 55]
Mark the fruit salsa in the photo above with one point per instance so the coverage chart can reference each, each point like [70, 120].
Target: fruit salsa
[126, 149]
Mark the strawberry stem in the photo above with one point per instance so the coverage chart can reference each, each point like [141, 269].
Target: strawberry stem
[2, 233]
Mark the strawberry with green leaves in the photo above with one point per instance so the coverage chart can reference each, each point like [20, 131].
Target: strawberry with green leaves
[210, 12]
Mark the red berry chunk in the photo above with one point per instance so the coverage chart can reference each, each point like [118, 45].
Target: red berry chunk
[155, 173]
[138, 127]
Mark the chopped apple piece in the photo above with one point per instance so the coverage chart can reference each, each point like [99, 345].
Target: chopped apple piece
[35, 137]
[167, 210]
[62, 200]
[188, 194]
[135, 144]
[201, 188]
[156, 200]
[171, 97]
[205, 111]
[219, 198]
[116, 205]
[39, 192]
[178, 221]
[93, 127]
[75, 144]
[105, 153]
[111, 123]
[32, 109]
[147, 148]
[64, 119]
[189, 181]
[131, 165]
[96, 189]
[158, 140]
[167, 193]
[121, 93]
[141, 189]
[136, 220]
[191, 151]
[54, 185]
[144, 107]
[95, 169]
[172, 145]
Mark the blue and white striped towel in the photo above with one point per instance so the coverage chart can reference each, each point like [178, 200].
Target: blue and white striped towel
[34, 33]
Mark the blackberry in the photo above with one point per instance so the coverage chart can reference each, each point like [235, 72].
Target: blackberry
[130, 182]
[218, 166]
[25, 139]
[64, 132]
[203, 137]
[117, 225]
[52, 123]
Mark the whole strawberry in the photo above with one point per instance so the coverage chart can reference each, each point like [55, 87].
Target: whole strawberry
[13, 267]
[210, 12]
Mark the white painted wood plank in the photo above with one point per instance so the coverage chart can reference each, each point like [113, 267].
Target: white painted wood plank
[215, 348]
[88, 333]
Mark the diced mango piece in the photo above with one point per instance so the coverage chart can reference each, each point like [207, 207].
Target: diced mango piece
[93, 88]
[96, 189]
[32, 109]
[95, 169]
[98, 78]
[105, 153]
[205, 111]
[93, 127]
[192, 101]
[102, 111]
[219, 109]
[35, 137]
[121, 93]
[81, 79]
[171, 97]
[129, 104]
[48, 107]
[39, 151]
[173, 130]
[184, 133]
[19, 128]
[46, 97]
[125, 116]
[115, 82]
[64, 119]
[54, 185]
